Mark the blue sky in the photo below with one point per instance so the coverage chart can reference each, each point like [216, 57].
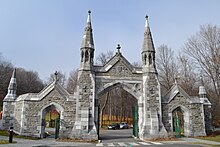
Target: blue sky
[45, 35]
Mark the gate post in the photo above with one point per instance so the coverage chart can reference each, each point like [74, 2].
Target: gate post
[57, 122]
[135, 121]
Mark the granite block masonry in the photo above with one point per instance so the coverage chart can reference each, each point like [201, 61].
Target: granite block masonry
[159, 116]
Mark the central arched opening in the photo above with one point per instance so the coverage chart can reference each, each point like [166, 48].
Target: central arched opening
[117, 108]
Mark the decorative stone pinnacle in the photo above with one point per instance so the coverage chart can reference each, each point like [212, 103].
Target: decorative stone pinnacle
[147, 21]
[201, 79]
[88, 18]
[176, 79]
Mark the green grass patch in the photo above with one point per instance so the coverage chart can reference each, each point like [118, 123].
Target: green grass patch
[6, 141]
[6, 133]
[211, 138]
[204, 144]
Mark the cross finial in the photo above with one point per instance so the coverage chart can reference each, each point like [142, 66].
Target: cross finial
[56, 76]
[118, 48]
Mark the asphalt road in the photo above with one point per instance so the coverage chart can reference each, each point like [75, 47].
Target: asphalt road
[109, 138]
[124, 137]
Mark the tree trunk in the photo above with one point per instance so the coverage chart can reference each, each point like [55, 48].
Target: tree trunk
[102, 108]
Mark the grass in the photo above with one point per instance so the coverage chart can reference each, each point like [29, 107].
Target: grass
[204, 144]
[211, 138]
[3, 133]
[6, 133]
[5, 141]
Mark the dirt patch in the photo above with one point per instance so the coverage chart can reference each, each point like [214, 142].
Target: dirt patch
[76, 140]
[164, 139]
[214, 133]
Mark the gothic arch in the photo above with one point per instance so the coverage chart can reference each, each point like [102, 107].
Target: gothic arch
[185, 117]
[132, 89]
[86, 56]
[42, 114]
[82, 56]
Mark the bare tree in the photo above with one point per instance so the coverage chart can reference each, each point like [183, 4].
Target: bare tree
[103, 58]
[61, 78]
[102, 107]
[204, 49]
[72, 81]
[137, 64]
[166, 66]
[28, 81]
[187, 75]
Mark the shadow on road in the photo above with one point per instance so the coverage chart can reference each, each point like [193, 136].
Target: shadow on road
[116, 135]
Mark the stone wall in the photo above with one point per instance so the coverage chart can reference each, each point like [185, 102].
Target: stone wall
[208, 118]
[18, 116]
[193, 115]
[197, 125]
[152, 125]
[33, 121]
[85, 127]
[8, 115]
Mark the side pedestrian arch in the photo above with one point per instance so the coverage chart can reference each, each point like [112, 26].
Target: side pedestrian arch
[43, 112]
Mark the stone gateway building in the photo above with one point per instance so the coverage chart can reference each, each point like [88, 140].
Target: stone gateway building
[158, 116]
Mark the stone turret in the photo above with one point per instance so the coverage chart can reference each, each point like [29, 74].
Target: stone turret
[206, 107]
[202, 91]
[87, 46]
[9, 102]
[85, 126]
[152, 123]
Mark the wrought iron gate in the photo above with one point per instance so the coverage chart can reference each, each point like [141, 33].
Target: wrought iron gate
[135, 120]
[178, 123]
[57, 127]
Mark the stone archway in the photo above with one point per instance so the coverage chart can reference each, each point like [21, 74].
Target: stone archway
[43, 112]
[128, 116]
[180, 121]
[133, 89]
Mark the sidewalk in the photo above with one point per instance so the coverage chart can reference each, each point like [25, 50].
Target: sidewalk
[193, 140]
[52, 142]
[201, 141]
[41, 142]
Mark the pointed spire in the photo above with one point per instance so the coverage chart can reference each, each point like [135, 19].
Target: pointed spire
[148, 44]
[12, 88]
[148, 51]
[88, 36]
